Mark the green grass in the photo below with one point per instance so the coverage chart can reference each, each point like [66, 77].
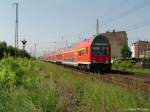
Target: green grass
[133, 69]
[137, 70]
[45, 87]
[128, 66]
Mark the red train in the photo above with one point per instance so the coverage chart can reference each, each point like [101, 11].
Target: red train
[92, 54]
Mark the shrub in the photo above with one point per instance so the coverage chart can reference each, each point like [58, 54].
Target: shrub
[146, 59]
[12, 71]
[123, 64]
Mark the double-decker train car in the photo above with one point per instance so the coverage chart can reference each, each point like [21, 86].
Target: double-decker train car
[92, 54]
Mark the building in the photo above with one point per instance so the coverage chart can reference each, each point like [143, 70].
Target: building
[117, 41]
[140, 49]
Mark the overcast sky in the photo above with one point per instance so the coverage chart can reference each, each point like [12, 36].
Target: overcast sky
[45, 21]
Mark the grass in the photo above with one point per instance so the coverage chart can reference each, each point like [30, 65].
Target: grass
[128, 66]
[133, 69]
[139, 70]
[51, 88]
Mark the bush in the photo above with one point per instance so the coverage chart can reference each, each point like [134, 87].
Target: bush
[123, 64]
[146, 59]
[10, 51]
[12, 71]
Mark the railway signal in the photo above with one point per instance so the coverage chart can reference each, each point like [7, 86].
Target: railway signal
[24, 43]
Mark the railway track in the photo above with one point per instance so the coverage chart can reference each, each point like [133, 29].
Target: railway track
[128, 80]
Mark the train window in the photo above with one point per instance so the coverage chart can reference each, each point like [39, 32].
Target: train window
[100, 50]
[79, 53]
[82, 53]
[96, 48]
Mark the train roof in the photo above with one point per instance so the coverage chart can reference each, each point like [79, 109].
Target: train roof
[82, 44]
[87, 42]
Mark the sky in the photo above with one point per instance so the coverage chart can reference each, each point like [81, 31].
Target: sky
[48, 23]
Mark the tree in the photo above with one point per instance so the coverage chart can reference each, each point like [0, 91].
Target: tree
[10, 51]
[126, 52]
[3, 46]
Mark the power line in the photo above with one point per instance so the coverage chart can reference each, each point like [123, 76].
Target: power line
[136, 27]
[129, 12]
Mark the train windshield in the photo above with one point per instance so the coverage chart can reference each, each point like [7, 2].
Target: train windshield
[100, 50]
[100, 46]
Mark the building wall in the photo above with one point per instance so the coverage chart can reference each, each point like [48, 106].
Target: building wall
[117, 41]
[141, 48]
[133, 51]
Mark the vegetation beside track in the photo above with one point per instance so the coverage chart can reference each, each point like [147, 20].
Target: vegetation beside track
[7, 50]
[128, 65]
[35, 86]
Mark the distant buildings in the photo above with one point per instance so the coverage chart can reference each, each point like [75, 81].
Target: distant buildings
[117, 41]
[140, 49]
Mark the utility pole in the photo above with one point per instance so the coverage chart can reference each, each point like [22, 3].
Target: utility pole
[62, 37]
[16, 29]
[66, 43]
[35, 49]
[31, 51]
[97, 27]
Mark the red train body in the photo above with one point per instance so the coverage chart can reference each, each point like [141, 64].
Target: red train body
[91, 54]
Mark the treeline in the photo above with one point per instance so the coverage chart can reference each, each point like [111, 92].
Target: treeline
[6, 50]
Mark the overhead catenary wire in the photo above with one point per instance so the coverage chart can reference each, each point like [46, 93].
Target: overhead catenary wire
[129, 12]
[136, 26]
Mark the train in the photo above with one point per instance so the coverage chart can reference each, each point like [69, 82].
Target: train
[92, 54]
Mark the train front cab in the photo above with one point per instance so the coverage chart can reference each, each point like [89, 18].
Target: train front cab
[100, 54]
